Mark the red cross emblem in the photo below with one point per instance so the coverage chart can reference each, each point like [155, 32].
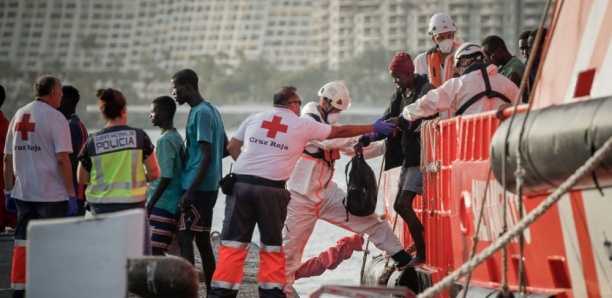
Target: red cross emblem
[274, 126]
[25, 126]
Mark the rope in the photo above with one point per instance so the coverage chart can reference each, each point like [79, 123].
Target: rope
[504, 283]
[475, 239]
[429, 140]
[365, 251]
[504, 239]
[392, 229]
[519, 193]
[519, 170]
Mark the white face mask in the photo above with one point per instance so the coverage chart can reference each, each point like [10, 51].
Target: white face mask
[333, 118]
[446, 46]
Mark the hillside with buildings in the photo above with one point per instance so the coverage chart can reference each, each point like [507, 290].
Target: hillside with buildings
[136, 45]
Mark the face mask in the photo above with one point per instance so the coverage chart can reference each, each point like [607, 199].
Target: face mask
[333, 118]
[445, 46]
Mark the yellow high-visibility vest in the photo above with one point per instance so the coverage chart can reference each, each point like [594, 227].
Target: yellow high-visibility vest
[117, 174]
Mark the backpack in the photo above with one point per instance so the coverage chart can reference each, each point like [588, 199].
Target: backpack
[361, 193]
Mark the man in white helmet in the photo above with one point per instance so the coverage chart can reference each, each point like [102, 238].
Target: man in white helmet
[437, 62]
[480, 88]
[266, 148]
[314, 195]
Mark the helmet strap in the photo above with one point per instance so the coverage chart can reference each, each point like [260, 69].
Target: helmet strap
[326, 110]
[476, 64]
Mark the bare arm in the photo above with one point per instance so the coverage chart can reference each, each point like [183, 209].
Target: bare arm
[152, 168]
[234, 148]
[82, 174]
[349, 130]
[8, 172]
[206, 149]
[65, 170]
[161, 187]
[225, 144]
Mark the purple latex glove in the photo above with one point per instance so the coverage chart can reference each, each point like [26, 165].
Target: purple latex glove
[370, 136]
[74, 207]
[383, 128]
[9, 203]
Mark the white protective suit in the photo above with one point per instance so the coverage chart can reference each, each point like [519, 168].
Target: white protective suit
[456, 91]
[314, 195]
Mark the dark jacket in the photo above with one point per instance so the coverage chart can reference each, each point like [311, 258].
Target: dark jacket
[404, 148]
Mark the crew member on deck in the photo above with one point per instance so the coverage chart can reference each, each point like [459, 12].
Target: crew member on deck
[480, 88]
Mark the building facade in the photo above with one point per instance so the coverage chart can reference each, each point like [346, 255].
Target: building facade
[117, 35]
[475, 20]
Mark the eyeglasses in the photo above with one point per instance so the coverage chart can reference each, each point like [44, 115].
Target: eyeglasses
[299, 102]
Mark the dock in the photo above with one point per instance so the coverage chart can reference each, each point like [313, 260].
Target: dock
[248, 288]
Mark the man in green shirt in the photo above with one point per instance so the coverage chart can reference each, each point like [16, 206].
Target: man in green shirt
[497, 54]
[165, 193]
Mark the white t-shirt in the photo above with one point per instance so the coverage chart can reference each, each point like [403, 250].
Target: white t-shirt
[36, 133]
[420, 63]
[273, 141]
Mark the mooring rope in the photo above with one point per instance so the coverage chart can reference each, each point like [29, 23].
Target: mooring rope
[365, 250]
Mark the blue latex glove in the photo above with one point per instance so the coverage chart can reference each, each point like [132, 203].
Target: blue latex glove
[9, 203]
[383, 128]
[74, 207]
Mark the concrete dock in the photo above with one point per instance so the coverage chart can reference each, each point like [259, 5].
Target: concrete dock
[248, 288]
[6, 257]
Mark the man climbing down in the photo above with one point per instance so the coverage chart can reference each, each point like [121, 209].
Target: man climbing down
[314, 195]
[406, 148]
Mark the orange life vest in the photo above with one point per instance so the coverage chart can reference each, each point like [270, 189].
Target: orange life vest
[434, 67]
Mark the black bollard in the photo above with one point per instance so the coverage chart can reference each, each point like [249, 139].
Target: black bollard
[170, 276]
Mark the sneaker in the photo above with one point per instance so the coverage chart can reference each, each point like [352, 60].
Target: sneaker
[418, 260]
[402, 259]
[385, 275]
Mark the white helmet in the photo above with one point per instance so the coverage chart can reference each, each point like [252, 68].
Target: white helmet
[441, 23]
[467, 49]
[338, 95]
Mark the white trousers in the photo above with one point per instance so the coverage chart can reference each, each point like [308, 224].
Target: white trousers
[326, 204]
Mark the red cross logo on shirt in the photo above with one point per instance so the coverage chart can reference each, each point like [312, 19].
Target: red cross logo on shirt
[274, 126]
[25, 126]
